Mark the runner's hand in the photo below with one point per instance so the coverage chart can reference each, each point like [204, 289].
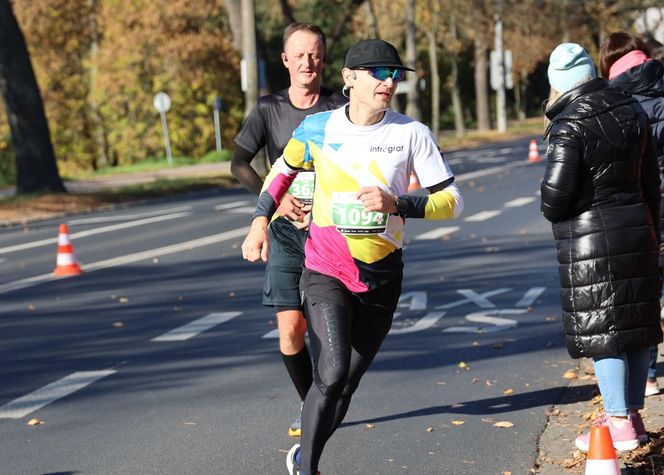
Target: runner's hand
[255, 245]
[306, 219]
[375, 199]
[292, 208]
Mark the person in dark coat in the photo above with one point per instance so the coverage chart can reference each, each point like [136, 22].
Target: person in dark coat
[601, 193]
[626, 61]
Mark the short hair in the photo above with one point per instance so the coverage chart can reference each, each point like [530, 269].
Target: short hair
[309, 27]
[617, 45]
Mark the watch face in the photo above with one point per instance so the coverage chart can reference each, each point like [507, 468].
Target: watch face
[402, 206]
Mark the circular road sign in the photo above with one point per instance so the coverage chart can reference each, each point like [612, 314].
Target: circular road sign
[161, 102]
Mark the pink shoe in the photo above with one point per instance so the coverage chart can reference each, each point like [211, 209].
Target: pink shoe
[639, 428]
[624, 438]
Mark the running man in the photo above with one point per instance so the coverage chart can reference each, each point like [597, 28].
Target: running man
[364, 154]
[270, 124]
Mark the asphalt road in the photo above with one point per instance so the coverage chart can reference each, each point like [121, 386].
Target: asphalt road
[159, 359]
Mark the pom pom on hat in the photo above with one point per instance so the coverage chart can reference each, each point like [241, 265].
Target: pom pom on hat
[569, 65]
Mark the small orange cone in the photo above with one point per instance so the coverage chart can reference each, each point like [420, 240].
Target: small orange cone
[66, 261]
[602, 458]
[414, 183]
[533, 152]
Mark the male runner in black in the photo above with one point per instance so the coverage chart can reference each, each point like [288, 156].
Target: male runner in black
[270, 124]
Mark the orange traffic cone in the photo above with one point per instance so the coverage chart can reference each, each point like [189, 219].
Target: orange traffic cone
[602, 458]
[533, 152]
[66, 260]
[414, 183]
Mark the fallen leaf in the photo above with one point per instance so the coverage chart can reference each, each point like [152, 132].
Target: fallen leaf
[190, 423]
[118, 324]
[155, 260]
[570, 374]
[441, 382]
[476, 343]
[123, 300]
[429, 429]
[370, 426]
[31, 307]
[508, 392]
[231, 294]
[550, 318]
[506, 473]
[458, 422]
[463, 365]
[34, 422]
[475, 380]
[504, 424]
[488, 383]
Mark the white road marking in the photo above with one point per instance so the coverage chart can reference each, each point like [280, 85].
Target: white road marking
[138, 256]
[192, 329]
[243, 209]
[483, 216]
[530, 296]
[127, 217]
[423, 323]
[92, 232]
[472, 296]
[35, 400]
[437, 233]
[234, 204]
[520, 202]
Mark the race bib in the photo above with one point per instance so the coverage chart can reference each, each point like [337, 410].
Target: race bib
[349, 217]
[302, 187]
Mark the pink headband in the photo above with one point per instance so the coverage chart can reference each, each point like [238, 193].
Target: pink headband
[631, 59]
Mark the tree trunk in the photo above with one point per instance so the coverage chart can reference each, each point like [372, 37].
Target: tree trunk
[98, 133]
[36, 170]
[412, 95]
[457, 105]
[234, 10]
[287, 12]
[481, 85]
[435, 82]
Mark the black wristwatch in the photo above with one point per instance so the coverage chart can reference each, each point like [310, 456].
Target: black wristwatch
[402, 206]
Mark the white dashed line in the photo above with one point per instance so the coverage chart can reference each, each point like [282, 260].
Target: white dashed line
[192, 329]
[520, 202]
[234, 204]
[482, 216]
[92, 232]
[437, 233]
[23, 406]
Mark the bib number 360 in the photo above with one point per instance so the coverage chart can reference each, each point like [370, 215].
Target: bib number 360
[349, 217]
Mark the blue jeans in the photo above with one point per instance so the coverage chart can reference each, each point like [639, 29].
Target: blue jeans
[622, 380]
[652, 367]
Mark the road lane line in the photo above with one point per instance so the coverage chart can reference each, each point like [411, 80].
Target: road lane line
[35, 400]
[520, 202]
[92, 232]
[530, 296]
[483, 216]
[243, 209]
[117, 261]
[234, 204]
[192, 329]
[437, 233]
[127, 217]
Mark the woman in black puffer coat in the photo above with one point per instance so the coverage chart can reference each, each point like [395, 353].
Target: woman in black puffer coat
[601, 192]
[626, 61]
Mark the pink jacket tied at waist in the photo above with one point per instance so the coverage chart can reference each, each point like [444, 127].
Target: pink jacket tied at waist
[631, 59]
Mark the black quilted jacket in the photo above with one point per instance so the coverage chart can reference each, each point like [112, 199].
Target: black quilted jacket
[601, 192]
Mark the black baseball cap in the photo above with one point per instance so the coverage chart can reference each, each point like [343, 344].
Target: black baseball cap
[374, 53]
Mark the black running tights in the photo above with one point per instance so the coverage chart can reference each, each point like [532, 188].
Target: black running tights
[345, 330]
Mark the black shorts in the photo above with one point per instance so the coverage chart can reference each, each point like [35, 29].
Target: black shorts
[284, 266]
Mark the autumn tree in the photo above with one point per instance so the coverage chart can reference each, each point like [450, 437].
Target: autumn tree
[36, 170]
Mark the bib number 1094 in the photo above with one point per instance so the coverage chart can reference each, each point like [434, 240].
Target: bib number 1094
[349, 216]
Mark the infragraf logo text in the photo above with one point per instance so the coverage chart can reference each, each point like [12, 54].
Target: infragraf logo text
[388, 149]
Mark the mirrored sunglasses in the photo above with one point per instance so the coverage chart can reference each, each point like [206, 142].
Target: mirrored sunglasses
[382, 73]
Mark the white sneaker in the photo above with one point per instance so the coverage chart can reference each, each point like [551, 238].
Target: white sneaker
[652, 388]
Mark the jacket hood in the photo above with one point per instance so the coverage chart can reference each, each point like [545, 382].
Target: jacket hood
[575, 95]
[646, 79]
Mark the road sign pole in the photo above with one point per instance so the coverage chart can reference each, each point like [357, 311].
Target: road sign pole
[167, 142]
[217, 127]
